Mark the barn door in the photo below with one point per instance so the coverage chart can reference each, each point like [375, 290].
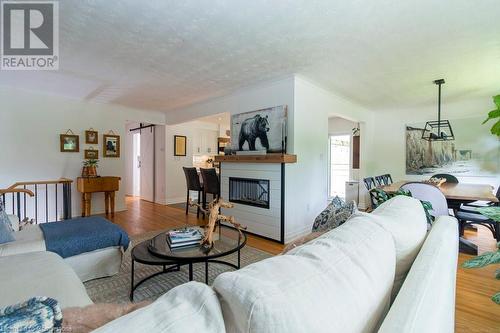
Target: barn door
[148, 164]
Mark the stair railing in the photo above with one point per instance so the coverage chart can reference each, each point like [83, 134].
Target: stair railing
[48, 197]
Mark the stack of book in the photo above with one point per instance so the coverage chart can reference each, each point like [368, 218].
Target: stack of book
[184, 237]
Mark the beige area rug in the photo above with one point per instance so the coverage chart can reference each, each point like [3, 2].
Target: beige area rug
[116, 289]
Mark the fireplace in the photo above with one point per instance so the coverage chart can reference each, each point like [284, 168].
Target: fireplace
[250, 192]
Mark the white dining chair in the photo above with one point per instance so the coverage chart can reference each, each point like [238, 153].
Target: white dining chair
[431, 193]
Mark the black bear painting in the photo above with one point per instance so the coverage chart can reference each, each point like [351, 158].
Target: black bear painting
[252, 129]
[261, 130]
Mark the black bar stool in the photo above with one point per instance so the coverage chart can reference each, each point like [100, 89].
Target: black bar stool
[193, 184]
[211, 184]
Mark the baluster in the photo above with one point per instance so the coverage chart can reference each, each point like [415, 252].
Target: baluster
[56, 200]
[36, 203]
[46, 202]
[24, 213]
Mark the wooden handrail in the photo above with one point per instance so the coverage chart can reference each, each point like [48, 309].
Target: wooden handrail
[41, 182]
[16, 190]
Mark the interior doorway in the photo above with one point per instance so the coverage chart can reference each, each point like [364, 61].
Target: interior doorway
[340, 164]
[136, 165]
[141, 159]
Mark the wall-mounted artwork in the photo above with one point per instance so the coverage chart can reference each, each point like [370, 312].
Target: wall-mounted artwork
[180, 143]
[474, 152]
[111, 145]
[91, 154]
[91, 137]
[69, 143]
[260, 130]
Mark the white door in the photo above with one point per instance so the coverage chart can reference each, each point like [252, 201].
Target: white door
[340, 164]
[136, 165]
[147, 164]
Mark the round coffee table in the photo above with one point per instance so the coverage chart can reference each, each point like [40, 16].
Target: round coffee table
[156, 252]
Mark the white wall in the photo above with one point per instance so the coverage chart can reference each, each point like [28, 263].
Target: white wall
[307, 180]
[175, 182]
[30, 125]
[390, 142]
[309, 107]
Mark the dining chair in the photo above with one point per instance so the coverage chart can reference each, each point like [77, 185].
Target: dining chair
[468, 218]
[387, 179]
[449, 178]
[429, 192]
[193, 184]
[380, 180]
[211, 184]
[369, 183]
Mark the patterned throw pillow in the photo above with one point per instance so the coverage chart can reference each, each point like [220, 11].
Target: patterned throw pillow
[38, 314]
[334, 215]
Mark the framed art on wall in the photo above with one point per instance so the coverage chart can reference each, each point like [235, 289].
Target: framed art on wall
[69, 143]
[180, 143]
[91, 154]
[91, 137]
[260, 130]
[111, 145]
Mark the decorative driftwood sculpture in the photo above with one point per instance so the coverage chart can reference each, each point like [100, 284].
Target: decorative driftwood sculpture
[213, 217]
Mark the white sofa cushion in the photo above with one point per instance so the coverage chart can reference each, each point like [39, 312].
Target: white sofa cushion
[404, 218]
[339, 282]
[426, 302]
[23, 276]
[30, 239]
[14, 222]
[191, 307]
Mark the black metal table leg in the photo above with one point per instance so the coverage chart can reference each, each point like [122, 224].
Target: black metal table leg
[190, 271]
[239, 259]
[206, 272]
[132, 283]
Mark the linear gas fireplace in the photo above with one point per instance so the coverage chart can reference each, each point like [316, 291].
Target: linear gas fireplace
[251, 192]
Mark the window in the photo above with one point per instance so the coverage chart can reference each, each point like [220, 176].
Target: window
[340, 164]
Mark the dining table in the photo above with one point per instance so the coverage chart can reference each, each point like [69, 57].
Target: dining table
[457, 193]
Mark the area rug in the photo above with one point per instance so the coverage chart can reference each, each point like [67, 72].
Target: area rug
[116, 289]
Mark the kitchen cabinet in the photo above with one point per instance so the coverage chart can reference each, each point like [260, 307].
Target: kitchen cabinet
[205, 142]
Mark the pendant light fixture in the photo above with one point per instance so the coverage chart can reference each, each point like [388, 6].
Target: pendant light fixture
[438, 130]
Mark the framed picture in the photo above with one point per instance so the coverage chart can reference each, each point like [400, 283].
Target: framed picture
[69, 143]
[91, 154]
[111, 145]
[473, 153]
[261, 130]
[180, 142]
[91, 137]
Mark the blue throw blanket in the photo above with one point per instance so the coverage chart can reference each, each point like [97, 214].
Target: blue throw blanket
[72, 237]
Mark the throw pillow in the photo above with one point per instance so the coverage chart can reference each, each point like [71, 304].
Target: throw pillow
[334, 215]
[6, 234]
[38, 314]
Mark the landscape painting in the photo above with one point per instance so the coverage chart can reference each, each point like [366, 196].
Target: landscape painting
[261, 130]
[474, 152]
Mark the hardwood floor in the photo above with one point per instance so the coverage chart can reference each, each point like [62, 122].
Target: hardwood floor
[475, 312]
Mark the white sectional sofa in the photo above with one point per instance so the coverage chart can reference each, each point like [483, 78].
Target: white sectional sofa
[379, 272]
[88, 266]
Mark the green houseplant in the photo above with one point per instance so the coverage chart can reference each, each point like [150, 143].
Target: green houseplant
[495, 114]
[90, 168]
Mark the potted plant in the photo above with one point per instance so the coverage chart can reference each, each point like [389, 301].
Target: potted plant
[90, 168]
[495, 114]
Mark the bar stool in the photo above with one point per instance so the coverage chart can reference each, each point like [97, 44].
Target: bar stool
[193, 184]
[211, 184]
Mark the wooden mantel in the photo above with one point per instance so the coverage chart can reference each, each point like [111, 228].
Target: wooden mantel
[268, 158]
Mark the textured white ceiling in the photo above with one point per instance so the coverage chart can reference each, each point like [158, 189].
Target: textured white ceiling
[161, 55]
